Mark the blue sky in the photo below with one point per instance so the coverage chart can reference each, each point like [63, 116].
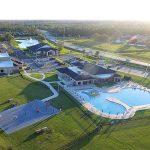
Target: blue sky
[76, 9]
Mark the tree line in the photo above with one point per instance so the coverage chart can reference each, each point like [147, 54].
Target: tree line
[95, 29]
[89, 28]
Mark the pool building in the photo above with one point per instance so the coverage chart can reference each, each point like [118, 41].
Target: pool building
[43, 50]
[87, 73]
[7, 66]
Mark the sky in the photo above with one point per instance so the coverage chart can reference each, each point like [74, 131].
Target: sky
[132, 10]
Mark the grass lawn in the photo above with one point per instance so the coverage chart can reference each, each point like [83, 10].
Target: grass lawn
[124, 50]
[119, 48]
[84, 42]
[131, 135]
[49, 43]
[108, 47]
[15, 44]
[51, 76]
[142, 81]
[21, 90]
[88, 59]
[36, 75]
[143, 56]
[64, 51]
[71, 123]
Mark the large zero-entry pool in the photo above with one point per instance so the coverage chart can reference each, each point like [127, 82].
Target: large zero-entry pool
[129, 96]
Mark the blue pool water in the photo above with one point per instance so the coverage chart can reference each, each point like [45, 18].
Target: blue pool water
[132, 97]
[26, 43]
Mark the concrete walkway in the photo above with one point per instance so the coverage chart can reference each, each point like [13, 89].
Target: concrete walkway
[55, 93]
[114, 100]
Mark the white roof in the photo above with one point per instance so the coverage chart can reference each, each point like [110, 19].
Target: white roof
[3, 55]
[104, 76]
[6, 64]
[78, 70]
[45, 46]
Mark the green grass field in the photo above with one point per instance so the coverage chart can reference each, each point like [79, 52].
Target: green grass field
[65, 127]
[124, 50]
[132, 135]
[36, 75]
[21, 90]
[72, 123]
[49, 43]
[51, 76]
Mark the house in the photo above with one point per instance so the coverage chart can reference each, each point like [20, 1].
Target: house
[73, 77]
[43, 49]
[119, 41]
[86, 73]
[132, 40]
[138, 44]
[7, 66]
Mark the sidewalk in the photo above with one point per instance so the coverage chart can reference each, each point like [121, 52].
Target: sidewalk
[55, 93]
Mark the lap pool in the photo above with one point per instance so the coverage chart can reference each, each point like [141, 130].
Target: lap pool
[129, 96]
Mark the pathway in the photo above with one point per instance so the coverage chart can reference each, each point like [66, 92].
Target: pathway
[55, 93]
[114, 100]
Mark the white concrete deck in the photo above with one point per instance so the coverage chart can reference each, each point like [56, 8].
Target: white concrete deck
[114, 100]
[130, 111]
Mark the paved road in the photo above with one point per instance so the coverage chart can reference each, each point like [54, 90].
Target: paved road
[104, 54]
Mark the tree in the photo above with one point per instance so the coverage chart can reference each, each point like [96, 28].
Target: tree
[60, 45]
[100, 37]
[40, 37]
[148, 43]
[97, 53]
[6, 37]
[83, 51]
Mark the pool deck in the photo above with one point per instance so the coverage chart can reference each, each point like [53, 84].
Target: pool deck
[114, 100]
[130, 110]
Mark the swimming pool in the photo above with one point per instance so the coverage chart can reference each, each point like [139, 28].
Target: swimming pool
[129, 96]
[26, 43]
